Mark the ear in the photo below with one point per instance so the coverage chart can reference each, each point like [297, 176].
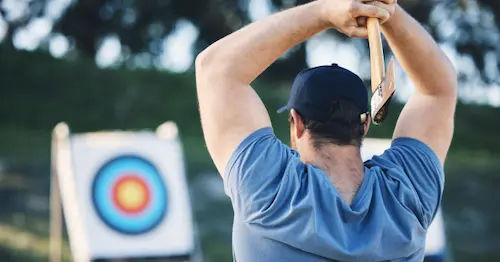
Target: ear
[366, 124]
[298, 124]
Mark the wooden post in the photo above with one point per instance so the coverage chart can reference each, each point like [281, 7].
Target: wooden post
[65, 185]
[55, 250]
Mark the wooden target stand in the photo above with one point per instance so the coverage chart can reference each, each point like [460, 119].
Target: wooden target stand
[63, 194]
[62, 185]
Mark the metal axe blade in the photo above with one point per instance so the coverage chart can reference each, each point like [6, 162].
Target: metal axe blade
[383, 94]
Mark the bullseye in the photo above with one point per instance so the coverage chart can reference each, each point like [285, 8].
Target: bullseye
[129, 194]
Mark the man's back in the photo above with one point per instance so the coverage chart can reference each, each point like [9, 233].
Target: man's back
[286, 210]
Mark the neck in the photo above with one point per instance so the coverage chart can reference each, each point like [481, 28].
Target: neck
[342, 165]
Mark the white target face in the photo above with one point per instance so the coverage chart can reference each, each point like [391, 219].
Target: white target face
[133, 195]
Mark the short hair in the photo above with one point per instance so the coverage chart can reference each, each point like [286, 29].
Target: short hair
[343, 127]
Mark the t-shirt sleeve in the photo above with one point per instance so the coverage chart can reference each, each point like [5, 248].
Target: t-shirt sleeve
[422, 169]
[255, 172]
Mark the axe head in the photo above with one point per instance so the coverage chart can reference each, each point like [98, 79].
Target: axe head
[382, 95]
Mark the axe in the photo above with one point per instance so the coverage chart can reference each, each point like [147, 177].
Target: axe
[382, 82]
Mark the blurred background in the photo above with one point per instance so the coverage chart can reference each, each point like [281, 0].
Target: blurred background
[128, 64]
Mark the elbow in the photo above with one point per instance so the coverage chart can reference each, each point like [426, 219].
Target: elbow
[206, 68]
[210, 63]
[443, 84]
[202, 63]
[448, 88]
[452, 79]
[454, 88]
[213, 66]
[453, 82]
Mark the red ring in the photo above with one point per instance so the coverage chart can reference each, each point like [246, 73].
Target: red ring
[131, 178]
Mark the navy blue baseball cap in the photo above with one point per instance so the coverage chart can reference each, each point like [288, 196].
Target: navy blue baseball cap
[314, 90]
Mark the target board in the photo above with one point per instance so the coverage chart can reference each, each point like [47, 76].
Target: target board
[130, 194]
[435, 245]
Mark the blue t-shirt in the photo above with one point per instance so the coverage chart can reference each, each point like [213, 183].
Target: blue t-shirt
[286, 210]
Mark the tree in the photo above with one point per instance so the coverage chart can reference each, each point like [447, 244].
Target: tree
[142, 25]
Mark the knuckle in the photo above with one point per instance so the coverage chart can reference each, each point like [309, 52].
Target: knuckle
[387, 15]
[353, 8]
[373, 11]
[382, 14]
[350, 32]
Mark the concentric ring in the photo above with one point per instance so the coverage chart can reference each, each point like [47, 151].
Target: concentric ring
[129, 194]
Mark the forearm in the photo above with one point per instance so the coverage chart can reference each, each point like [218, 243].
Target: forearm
[420, 56]
[246, 53]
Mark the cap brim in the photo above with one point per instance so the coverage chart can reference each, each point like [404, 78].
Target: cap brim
[282, 109]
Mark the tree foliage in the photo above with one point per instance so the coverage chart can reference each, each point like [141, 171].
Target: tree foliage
[141, 25]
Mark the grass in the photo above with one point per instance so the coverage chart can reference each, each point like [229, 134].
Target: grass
[18, 244]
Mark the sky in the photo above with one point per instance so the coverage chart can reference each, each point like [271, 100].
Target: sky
[177, 47]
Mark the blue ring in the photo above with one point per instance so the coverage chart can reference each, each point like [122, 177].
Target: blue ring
[102, 195]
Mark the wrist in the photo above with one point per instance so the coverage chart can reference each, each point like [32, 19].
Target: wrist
[323, 14]
[393, 19]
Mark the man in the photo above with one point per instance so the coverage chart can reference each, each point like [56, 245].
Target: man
[319, 201]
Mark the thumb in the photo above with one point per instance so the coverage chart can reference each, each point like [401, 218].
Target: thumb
[358, 32]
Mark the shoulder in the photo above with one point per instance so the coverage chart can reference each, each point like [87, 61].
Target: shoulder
[415, 173]
[406, 151]
[260, 149]
[258, 169]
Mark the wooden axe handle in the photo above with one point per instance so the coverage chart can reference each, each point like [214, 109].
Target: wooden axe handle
[376, 52]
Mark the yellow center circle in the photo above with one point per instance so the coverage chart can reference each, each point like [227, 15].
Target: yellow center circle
[131, 195]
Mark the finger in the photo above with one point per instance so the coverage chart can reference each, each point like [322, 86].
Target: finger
[358, 32]
[382, 5]
[389, 2]
[369, 10]
[361, 21]
[382, 1]
[388, 7]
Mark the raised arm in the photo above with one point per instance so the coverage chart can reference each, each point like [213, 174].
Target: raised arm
[428, 115]
[230, 109]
